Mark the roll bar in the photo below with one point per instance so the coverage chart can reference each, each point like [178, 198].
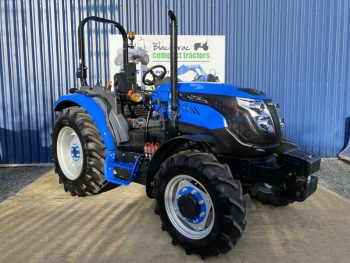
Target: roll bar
[82, 69]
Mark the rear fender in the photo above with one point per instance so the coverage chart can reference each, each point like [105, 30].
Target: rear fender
[95, 112]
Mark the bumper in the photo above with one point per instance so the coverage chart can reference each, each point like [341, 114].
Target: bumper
[296, 169]
[309, 188]
[289, 173]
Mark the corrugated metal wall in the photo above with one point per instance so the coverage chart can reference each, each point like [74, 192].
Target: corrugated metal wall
[295, 50]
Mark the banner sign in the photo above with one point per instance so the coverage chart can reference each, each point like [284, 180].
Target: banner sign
[199, 57]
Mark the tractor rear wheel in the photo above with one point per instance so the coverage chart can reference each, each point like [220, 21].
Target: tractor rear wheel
[267, 195]
[200, 204]
[78, 152]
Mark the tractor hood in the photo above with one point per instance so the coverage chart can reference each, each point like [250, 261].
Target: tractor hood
[248, 115]
[215, 89]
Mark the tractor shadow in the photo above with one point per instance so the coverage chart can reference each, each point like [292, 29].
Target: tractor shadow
[109, 187]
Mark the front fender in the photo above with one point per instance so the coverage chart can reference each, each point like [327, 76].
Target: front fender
[94, 110]
[172, 147]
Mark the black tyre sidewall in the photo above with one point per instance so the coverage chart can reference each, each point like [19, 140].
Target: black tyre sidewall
[212, 236]
[66, 121]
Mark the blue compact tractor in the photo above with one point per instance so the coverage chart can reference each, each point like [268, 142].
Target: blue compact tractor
[198, 147]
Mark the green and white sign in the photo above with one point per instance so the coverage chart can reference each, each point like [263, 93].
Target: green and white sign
[199, 57]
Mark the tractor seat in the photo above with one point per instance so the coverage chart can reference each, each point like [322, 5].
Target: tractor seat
[121, 85]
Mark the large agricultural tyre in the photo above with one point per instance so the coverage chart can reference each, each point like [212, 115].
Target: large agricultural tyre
[200, 204]
[267, 195]
[78, 152]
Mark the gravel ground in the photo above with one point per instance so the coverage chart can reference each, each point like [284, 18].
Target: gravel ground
[334, 174]
[14, 179]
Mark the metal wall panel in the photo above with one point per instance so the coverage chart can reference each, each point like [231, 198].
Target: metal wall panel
[295, 50]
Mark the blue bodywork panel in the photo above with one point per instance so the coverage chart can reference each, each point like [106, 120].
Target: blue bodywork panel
[99, 118]
[210, 88]
[111, 164]
[193, 113]
[199, 114]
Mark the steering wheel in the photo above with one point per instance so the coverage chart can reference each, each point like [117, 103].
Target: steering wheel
[155, 77]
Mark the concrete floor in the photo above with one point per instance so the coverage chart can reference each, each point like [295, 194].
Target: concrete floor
[42, 223]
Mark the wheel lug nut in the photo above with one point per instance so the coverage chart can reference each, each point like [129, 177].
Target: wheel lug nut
[201, 202]
[184, 190]
[193, 192]
[201, 214]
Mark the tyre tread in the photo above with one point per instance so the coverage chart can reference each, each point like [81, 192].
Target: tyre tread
[91, 180]
[226, 188]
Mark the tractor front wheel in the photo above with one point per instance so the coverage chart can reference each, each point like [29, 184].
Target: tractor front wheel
[78, 152]
[200, 203]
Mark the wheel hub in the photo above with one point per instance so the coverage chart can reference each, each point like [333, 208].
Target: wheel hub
[75, 152]
[191, 205]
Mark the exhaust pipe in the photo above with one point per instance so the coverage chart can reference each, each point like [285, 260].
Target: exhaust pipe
[173, 72]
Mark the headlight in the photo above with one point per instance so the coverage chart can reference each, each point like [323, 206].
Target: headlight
[277, 106]
[259, 112]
